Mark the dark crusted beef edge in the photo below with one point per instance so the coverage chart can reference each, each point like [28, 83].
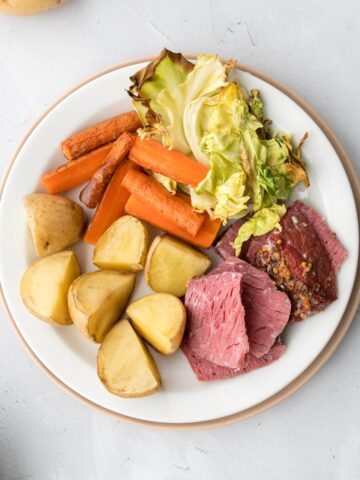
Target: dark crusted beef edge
[302, 259]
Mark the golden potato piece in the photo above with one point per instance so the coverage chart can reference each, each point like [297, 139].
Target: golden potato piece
[45, 284]
[28, 7]
[160, 319]
[171, 264]
[97, 300]
[55, 222]
[123, 246]
[124, 365]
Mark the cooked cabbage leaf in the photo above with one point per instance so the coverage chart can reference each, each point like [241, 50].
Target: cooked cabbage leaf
[256, 106]
[167, 182]
[222, 127]
[162, 90]
[260, 223]
[195, 109]
[222, 192]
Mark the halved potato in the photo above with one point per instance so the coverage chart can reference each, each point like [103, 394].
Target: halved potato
[45, 284]
[160, 319]
[171, 264]
[124, 364]
[123, 246]
[97, 300]
[55, 222]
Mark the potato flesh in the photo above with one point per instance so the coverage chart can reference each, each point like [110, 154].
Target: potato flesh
[124, 364]
[159, 318]
[123, 246]
[97, 300]
[44, 287]
[55, 222]
[171, 264]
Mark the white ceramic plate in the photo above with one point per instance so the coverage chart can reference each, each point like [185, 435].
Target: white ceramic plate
[72, 360]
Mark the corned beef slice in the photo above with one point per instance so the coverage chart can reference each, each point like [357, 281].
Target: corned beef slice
[335, 250]
[302, 259]
[224, 246]
[205, 370]
[267, 310]
[216, 324]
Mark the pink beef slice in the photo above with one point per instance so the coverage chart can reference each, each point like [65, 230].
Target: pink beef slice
[335, 250]
[205, 370]
[302, 259]
[267, 309]
[224, 246]
[216, 319]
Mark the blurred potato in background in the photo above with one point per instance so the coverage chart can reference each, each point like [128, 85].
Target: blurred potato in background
[28, 7]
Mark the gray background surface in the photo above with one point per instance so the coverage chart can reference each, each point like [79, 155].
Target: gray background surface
[311, 46]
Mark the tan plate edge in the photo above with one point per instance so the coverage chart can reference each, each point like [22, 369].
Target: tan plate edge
[320, 359]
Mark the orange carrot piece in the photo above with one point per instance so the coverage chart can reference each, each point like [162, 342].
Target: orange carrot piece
[155, 157]
[92, 193]
[75, 172]
[203, 239]
[111, 206]
[104, 132]
[172, 207]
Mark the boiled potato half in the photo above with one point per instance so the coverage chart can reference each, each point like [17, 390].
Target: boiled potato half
[124, 364]
[28, 7]
[97, 300]
[45, 284]
[160, 319]
[55, 222]
[171, 264]
[123, 246]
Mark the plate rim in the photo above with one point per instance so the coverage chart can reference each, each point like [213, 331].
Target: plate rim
[329, 348]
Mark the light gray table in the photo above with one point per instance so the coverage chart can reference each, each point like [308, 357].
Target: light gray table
[311, 46]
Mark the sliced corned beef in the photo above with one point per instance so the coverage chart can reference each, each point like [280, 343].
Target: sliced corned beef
[216, 319]
[299, 262]
[267, 309]
[302, 259]
[335, 250]
[205, 370]
[224, 246]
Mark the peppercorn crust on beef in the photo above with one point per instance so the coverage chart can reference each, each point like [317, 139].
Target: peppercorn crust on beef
[302, 259]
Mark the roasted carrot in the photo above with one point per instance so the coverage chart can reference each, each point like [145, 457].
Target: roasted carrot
[94, 190]
[172, 207]
[104, 132]
[204, 238]
[75, 172]
[155, 157]
[111, 206]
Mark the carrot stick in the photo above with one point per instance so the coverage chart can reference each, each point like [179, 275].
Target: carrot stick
[94, 190]
[172, 207]
[154, 156]
[75, 172]
[111, 206]
[104, 132]
[203, 239]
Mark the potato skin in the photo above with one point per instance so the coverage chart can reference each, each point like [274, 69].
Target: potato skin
[28, 7]
[55, 222]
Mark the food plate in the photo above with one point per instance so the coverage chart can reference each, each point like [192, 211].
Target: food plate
[184, 402]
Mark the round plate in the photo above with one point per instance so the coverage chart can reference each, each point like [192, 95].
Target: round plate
[184, 402]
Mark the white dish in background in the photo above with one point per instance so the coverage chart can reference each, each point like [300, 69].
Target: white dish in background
[72, 359]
